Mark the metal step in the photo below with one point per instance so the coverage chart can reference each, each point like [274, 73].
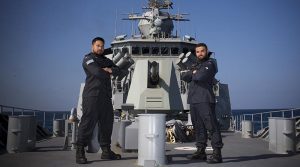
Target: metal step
[3, 131]
[264, 133]
[298, 138]
[297, 121]
[298, 142]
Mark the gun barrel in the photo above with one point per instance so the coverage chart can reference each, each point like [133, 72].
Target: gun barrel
[154, 73]
[191, 56]
[118, 57]
[181, 56]
[188, 62]
[124, 61]
[180, 64]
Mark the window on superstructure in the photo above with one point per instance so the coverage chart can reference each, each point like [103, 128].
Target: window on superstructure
[174, 51]
[136, 50]
[155, 50]
[193, 51]
[145, 50]
[165, 51]
[185, 50]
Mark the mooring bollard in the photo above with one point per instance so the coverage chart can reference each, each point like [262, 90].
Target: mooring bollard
[58, 127]
[151, 143]
[121, 134]
[66, 141]
[282, 135]
[74, 134]
[247, 130]
[21, 133]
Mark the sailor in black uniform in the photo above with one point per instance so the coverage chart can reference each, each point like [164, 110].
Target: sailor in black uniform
[202, 105]
[96, 102]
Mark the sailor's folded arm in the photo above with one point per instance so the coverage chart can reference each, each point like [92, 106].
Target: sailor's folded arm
[95, 70]
[186, 75]
[204, 73]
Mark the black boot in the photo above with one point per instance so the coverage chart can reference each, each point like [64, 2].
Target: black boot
[80, 155]
[108, 154]
[199, 154]
[216, 157]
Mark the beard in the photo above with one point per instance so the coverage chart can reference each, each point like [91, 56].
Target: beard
[98, 52]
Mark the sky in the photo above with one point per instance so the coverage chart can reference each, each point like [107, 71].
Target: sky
[42, 43]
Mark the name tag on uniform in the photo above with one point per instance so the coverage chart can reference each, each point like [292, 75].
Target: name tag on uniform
[206, 68]
[89, 62]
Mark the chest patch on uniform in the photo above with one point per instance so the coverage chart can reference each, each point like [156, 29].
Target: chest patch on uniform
[89, 62]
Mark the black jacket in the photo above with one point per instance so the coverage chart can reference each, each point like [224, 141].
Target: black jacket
[98, 81]
[200, 83]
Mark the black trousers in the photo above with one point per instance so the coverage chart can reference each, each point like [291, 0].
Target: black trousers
[96, 111]
[204, 119]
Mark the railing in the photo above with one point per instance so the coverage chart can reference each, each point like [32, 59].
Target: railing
[183, 86]
[43, 117]
[120, 86]
[260, 120]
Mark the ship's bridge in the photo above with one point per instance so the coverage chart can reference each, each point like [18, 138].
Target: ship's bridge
[154, 47]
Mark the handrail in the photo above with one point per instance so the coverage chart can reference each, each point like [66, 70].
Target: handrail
[26, 110]
[241, 117]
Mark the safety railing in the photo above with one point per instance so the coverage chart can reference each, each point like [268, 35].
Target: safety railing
[44, 118]
[183, 86]
[260, 120]
[120, 86]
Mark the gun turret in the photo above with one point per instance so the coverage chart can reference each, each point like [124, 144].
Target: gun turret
[153, 74]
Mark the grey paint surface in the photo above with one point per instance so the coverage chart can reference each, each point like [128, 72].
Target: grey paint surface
[237, 152]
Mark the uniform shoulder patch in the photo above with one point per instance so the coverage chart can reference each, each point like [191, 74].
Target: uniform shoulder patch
[208, 64]
[88, 56]
[89, 61]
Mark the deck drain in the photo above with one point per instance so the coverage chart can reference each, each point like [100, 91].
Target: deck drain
[192, 148]
[186, 148]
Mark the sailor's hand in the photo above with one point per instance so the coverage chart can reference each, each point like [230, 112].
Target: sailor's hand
[194, 72]
[107, 70]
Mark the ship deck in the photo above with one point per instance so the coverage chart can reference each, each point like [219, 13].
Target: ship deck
[237, 152]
